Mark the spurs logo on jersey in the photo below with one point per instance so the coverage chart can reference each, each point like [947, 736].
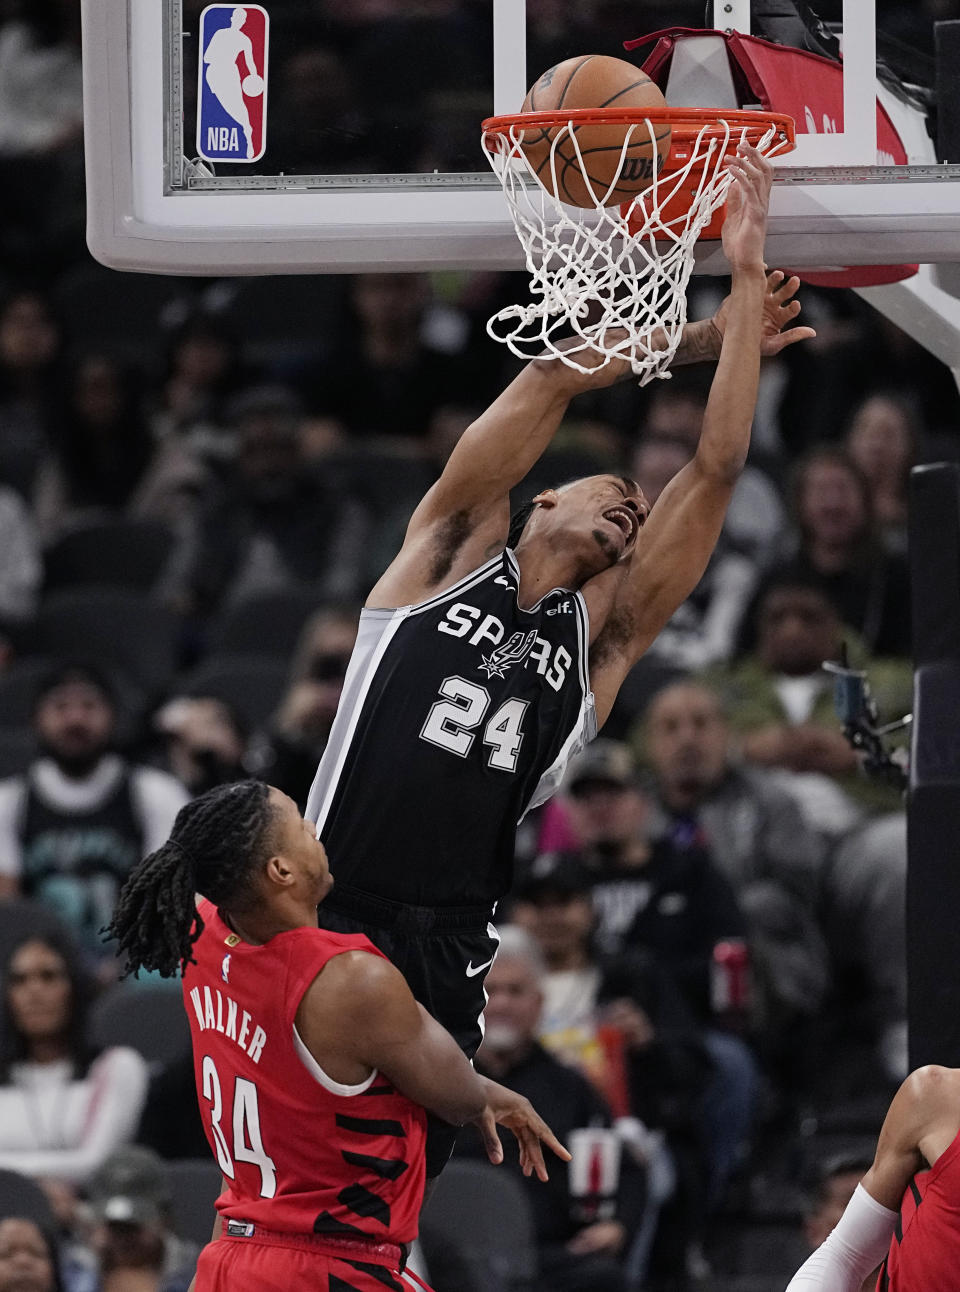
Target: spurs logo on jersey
[512, 652]
[458, 715]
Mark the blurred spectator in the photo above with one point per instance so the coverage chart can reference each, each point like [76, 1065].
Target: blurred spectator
[130, 1199]
[204, 370]
[41, 122]
[553, 903]
[673, 904]
[757, 837]
[63, 1107]
[835, 1186]
[382, 377]
[882, 442]
[420, 57]
[21, 571]
[840, 551]
[648, 892]
[864, 915]
[318, 121]
[755, 518]
[274, 523]
[29, 379]
[780, 702]
[205, 742]
[703, 630]
[28, 1257]
[82, 815]
[290, 752]
[102, 449]
[577, 1253]
[171, 1123]
[626, 1029]
[41, 108]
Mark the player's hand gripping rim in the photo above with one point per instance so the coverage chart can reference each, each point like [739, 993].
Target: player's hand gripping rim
[506, 1108]
[745, 222]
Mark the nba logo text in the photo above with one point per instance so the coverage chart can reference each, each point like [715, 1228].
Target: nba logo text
[232, 91]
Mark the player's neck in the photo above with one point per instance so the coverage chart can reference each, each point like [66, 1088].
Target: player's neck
[542, 570]
[258, 927]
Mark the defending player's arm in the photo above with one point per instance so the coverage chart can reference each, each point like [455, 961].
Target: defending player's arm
[361, 1008]
[920, 1124]
[681, 532]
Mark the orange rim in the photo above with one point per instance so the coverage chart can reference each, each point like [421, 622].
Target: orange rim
[687, 124]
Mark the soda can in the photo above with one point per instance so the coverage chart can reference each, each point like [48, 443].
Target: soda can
[730, 988]
[594, 1173]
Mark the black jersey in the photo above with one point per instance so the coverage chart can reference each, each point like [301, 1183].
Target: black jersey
[458, 715]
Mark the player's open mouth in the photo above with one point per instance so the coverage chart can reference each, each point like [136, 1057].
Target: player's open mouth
[625, 520]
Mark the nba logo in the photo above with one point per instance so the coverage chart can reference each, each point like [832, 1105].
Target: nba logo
[232, 91]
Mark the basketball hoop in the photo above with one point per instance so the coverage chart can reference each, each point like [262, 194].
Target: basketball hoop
[616, 275]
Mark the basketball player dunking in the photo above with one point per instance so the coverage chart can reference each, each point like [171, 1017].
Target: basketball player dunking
[493, 649]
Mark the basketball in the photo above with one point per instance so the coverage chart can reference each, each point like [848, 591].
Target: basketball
[595, 81]
[253, 86]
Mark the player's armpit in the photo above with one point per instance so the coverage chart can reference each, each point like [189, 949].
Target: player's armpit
[359, 1014]
[922, 1121]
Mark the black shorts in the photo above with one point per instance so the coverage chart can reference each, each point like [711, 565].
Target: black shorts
[444, 954]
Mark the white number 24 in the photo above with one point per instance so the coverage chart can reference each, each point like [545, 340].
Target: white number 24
[452, 722]
[247, 1141]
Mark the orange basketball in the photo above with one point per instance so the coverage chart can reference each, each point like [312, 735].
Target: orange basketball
[595, 81]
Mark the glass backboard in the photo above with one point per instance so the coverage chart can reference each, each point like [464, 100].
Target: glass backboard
[367, 152]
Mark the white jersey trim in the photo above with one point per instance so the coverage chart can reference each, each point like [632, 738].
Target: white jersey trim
[318, 1074]
[361, 671]
[494, 934]
[584, 729]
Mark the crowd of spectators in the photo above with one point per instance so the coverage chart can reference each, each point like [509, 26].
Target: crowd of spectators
[705, 940]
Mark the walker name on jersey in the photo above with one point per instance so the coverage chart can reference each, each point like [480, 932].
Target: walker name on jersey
[232, 89]
[217, 1012]
[481, 629]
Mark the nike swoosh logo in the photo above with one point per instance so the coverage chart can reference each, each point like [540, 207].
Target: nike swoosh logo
[473, 971]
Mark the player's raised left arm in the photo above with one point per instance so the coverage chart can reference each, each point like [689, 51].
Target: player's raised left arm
[681, 531]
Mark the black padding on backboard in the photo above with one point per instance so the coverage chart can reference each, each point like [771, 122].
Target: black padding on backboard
[933, 838]
[933, 869]
[947, 49]
[935, 561]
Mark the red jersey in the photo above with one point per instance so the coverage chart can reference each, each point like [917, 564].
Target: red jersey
[301, 1153]
[924, 1252]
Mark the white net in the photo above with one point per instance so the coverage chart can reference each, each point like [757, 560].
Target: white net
[616, 278]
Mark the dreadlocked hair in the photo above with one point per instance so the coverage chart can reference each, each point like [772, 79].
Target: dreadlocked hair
[217, 842]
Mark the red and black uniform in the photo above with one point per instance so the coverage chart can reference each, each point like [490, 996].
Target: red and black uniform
[924, 1252]
[325, 1181]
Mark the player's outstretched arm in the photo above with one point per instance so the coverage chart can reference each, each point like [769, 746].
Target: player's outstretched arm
[681, 531]
[359, 1014]
[465, 516]
[921, 1123]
